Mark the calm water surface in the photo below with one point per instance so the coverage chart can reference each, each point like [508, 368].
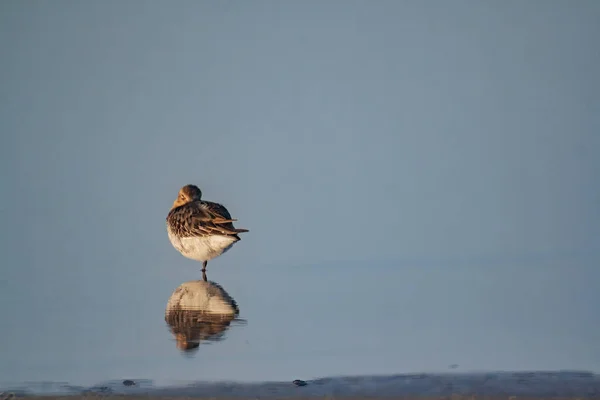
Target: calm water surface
[450, 156]
[310, 321]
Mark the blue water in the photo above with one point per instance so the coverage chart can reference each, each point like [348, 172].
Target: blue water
[313, 321]
[420, 184]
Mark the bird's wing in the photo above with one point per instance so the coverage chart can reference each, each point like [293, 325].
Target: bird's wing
[202, 218]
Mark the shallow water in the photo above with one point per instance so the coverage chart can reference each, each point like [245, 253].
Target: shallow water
[420, 185]
[315, 321]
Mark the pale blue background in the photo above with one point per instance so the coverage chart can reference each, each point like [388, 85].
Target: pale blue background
[420, 179]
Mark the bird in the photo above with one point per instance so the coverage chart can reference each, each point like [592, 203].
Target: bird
[200, 230]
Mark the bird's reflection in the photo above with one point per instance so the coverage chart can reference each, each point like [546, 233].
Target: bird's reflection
[199, 310]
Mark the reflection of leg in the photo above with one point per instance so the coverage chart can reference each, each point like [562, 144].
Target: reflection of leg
[204, 276]
[204, 265]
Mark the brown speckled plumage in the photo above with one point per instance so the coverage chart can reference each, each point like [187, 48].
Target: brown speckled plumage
[202, 218]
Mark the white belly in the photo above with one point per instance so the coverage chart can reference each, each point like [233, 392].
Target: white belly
[202, 248]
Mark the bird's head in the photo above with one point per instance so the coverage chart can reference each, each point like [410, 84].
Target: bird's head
[187, 194]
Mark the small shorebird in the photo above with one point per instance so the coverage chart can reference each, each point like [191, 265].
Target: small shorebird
[199, 229]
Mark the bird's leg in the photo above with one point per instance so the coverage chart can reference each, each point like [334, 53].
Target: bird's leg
[204, 270]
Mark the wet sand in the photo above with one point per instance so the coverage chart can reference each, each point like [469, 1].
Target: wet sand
[451, 397]
[465, 386]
